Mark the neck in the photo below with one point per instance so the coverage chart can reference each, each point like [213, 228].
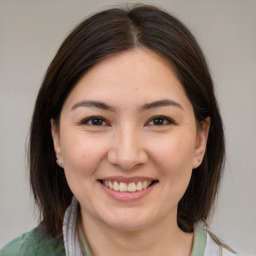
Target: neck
[164, 238]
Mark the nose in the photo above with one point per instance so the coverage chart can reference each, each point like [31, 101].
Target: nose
[127, 150]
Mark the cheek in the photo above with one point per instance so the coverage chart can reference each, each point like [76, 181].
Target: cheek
[81, 155]
[173, 158]
[174, 154]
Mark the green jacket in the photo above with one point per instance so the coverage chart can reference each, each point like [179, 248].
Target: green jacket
[36, 242]
[39, 243]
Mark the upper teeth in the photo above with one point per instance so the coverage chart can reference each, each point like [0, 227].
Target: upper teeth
[126, 187]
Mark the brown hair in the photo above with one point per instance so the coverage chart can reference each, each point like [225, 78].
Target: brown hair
[102, 35]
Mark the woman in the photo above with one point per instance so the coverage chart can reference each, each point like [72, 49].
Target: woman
[126, 143]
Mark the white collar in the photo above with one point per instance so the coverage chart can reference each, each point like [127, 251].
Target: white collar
[69, 228]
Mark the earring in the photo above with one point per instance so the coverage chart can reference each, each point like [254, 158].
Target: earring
[58, 161]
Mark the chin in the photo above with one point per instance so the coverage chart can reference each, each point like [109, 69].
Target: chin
[127, 226]
[128, 222]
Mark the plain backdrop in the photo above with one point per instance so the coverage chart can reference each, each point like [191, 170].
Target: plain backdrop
[30, 34]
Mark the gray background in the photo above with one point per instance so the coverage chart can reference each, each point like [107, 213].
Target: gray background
[31, 32]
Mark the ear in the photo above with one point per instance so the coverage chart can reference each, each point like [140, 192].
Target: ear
[56, 141]
[201, 142]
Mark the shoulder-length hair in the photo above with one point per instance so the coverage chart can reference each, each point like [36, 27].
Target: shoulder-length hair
[98, 37]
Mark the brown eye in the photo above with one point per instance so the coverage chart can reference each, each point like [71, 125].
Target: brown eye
[160, 120]
[95, 121]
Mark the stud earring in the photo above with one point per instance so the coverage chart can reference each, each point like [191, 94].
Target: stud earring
[58, 161]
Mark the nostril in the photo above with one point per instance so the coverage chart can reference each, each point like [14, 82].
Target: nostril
[127, 159]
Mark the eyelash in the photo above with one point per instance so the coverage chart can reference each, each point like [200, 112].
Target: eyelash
[165, 121]
[98, 118]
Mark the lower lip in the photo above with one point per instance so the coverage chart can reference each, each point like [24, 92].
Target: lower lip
[127, 196]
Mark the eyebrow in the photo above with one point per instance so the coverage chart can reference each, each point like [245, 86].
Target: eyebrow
[147, 106]
[91, 103]
[161, 103]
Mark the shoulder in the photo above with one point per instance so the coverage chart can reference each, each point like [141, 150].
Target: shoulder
[213, 249]
[36, 242]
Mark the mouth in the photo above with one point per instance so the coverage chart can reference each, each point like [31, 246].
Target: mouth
[130, 187]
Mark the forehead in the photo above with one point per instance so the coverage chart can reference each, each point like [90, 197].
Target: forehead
[129, 78]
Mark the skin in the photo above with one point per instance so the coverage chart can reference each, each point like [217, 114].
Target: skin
[127, 142]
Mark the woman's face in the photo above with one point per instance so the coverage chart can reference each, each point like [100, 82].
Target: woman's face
[128, 141]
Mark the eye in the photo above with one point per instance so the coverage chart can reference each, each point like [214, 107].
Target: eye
[94, 121]
[160, 120]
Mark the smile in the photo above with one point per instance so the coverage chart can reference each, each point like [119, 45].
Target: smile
[127, 187]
